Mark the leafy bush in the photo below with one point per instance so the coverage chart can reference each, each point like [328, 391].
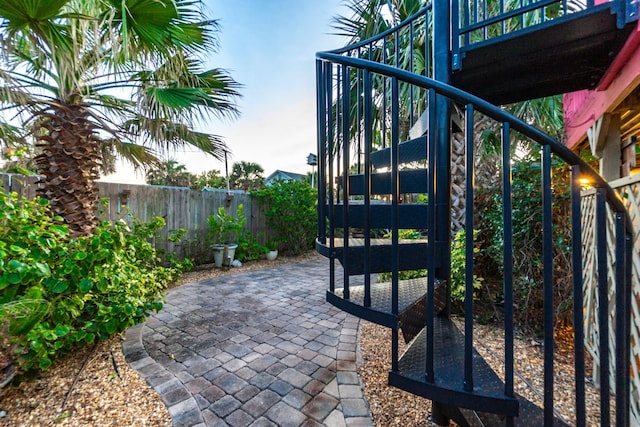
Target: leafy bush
[527, 243]
[290, 208]
[65, 292]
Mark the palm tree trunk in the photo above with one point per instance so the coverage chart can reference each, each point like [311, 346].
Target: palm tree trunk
[69, 166]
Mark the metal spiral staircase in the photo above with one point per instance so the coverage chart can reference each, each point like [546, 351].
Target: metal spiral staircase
[386, 117]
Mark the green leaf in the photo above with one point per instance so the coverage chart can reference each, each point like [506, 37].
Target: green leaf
[22, 12]
[85, 285]
[178, 98]
[44, 363]
[80, 255]
[60, 286]
[43, 269]
[61, 330]
[16, 266]
[111, 326]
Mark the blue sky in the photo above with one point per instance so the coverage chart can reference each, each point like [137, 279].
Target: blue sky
[268, 46]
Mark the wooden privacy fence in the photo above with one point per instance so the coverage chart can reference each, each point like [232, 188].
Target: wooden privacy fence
[629, 189]
[179, 206]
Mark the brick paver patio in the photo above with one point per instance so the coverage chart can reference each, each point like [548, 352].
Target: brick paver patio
[258, 348]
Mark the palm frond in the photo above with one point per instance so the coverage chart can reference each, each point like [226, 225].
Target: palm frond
[139, 156]
[170, 136]
[18, 14]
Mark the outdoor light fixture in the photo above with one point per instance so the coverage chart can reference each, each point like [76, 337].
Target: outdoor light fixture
[124, 197]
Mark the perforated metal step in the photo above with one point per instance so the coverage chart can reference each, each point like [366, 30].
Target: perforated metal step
[488, 391]
[411, 306]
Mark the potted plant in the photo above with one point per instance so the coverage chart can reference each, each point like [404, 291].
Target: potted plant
[223, 231]
[272, 249]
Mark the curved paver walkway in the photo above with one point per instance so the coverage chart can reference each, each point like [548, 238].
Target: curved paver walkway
[258, 348]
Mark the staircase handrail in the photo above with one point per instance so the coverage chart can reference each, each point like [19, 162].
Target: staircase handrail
[460, 96]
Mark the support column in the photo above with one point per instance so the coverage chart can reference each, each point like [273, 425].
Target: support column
[442, 72]
[611, 161]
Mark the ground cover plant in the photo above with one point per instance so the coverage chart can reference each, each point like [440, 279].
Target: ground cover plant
[59, 292]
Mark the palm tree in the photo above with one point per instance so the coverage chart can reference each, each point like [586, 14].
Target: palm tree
[247, 176]
[209, 179]
[99, 78]
[170, 173]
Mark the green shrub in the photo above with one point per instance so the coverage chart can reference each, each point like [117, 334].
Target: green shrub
[290, 208]
[458, 263]
[65, 292]
[527, 244]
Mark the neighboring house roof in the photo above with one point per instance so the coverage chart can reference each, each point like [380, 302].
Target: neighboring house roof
[284, 176]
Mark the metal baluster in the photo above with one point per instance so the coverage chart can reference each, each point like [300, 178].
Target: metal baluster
[622, 331]
[469, 246]
[578, 298]
[330, 166]
[431, 263]
[321, 148]
[395, 112]
[346, 121]
[547, 283]
[359, 117]
[507, 260]
[502, 23]
[427, 44]
[368, 142]
[411, 87]
[626, 408]
[384, 95]
[603, 306]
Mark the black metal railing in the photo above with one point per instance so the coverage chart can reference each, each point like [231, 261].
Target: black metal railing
[476, 23]
[366, 179]
[480, 20]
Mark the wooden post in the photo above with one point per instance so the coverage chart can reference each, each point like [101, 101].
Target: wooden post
[611, 161]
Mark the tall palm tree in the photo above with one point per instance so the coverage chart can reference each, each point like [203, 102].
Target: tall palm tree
[170, 173]
[247, 176]
[94, 77]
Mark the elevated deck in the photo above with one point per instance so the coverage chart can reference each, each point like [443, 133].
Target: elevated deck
[522, 66]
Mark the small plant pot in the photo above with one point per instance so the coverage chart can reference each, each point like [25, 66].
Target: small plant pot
[219, 254]
[271, 255]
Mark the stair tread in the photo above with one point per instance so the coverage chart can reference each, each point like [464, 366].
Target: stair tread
[411, 255]
[531, 415]
[488, 392]
[359, 242]
[380, 310]
[409, 151]
[380, 215]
